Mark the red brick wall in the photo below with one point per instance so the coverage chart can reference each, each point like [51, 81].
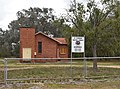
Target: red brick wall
[27, 40]
[49, 47]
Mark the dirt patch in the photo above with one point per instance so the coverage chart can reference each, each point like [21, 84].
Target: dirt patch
[9, 69]
[2, 69]
[110, 66]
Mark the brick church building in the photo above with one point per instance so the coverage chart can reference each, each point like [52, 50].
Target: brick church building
[40, 45]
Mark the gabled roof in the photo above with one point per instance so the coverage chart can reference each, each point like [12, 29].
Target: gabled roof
[58, 40]
[62, 40]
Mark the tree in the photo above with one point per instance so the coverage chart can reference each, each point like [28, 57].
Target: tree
[4, 44]
[76, 15]
[111, 26]
[1, 37]
[89, 22]
[40, 19]
[100, 25]
[97, 16]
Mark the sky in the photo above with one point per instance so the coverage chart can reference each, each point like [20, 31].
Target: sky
[9, 8]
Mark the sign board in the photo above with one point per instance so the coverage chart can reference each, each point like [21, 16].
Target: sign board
[78, 44]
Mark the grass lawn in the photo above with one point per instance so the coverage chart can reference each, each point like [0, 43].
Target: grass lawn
[63, 70]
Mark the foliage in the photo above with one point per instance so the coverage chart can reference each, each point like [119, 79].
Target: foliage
[96, 23]
[7, 38]
[41, 19]
[99, 23]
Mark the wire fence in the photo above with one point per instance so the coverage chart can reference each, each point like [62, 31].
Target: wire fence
[54, 70]
[1, 70]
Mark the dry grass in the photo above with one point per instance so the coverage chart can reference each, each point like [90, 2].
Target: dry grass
[59, 69]
[113, 84]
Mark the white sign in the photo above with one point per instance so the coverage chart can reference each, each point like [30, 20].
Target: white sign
[77, 44]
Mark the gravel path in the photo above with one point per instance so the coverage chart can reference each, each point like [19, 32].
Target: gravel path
[2, 69]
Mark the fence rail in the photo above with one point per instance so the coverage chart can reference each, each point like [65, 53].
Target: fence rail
[66, 58]
[6, 79]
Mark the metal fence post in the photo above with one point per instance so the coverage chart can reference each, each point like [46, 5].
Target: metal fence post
[5, 71]
[85, 61]
[85, 67]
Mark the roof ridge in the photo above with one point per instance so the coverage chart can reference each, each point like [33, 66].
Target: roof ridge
[48, 36]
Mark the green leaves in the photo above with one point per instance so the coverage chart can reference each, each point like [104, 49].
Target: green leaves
[101, 27]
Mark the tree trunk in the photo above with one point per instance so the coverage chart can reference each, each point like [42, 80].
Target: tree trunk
[94, 60]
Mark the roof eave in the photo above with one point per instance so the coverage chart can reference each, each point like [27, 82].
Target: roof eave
[48, 37]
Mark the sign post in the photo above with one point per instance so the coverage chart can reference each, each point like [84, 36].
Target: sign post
[78, 46]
